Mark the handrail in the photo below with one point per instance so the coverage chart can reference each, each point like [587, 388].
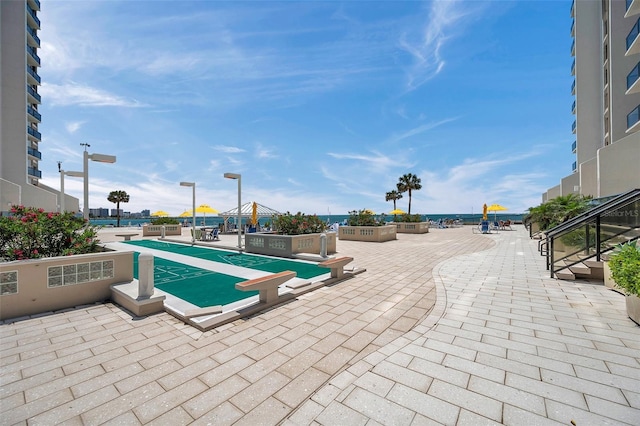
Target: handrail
[590, 214]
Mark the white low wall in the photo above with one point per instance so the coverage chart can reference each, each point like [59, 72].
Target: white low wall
[156, 230]
[34, 286]
[376, 234]
[287, 245]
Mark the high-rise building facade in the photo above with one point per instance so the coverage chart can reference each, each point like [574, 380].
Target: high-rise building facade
[606, 107]
[20, 137]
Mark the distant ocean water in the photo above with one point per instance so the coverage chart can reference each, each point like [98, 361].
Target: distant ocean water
[216, 220]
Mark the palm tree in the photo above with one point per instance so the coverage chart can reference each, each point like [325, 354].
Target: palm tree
[408, 183]
[393, 196]
[118, 197]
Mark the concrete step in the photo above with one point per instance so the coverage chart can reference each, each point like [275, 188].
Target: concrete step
[565, 274]
[580, 269]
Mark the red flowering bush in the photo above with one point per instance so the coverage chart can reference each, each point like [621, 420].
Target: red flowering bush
[288, 224]
[30, 233]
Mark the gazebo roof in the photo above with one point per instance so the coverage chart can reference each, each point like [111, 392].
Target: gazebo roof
[246, 210]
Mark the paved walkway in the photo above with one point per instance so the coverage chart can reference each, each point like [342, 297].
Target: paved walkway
[501, 343]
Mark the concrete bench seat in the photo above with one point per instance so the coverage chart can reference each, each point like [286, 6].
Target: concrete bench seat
[267, 285]
[127, 237]
[337, 265]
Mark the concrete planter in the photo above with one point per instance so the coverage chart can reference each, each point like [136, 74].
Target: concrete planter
[608, 280]
[34, 286]
[287, 245]
[376, 234]
[412, 227]
[633, 307]
[156, 230]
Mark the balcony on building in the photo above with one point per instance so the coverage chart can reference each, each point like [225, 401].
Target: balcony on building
[35, 95]
[573, 126]
[633, 80]
[573, 9]
[33, 57]
[633, 8]
[34, 75]
[573, 28]
[574, 146]
[35, 114]
[32, 19]
[35, 4]
[33, 171]
[574, 166]
[573, 48]
[573, 67]
[34, 133]
[633, 120]
[573, 108]
[33, 36]
[633, 41]
[573, 87]
[34, 153]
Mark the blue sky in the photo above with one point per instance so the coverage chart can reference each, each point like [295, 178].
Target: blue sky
[321, 106]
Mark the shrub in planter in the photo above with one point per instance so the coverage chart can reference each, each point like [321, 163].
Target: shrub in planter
[625, 267]
[408, 218]
[165, 221]
[298, 224]
[30, 233]
[365, 218]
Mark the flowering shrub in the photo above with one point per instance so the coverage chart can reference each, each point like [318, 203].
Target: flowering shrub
[288, 224]
[365, 218]
[31, 233]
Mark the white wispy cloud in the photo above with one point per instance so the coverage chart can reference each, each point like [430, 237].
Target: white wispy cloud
[73, 126]
[420, 129]
[228, 149]
[377, 160]
[82, 95]
[426, 48]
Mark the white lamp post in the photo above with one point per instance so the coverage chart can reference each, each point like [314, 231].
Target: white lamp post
[239, 178]
[101, 158]
[62, 174]
[193, 223]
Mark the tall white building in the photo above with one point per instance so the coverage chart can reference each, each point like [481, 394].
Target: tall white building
[19, 116]
[606, 86]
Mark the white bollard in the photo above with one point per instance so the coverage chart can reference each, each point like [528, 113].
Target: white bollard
[145, 276]
[323, 245]
[163, 231]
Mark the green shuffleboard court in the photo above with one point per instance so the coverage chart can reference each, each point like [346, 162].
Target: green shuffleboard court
[197, 286]
[261, 263]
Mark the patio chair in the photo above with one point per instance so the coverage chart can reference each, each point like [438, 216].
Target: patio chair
[198, 235]
[484, 227]
[214, 235]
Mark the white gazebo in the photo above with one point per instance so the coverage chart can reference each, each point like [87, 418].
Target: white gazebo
[246, 212]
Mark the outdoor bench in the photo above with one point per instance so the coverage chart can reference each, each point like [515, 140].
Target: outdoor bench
[127, 237]
[337, 265]
[267, 285]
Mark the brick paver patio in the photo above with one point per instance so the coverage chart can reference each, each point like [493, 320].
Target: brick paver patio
[501, 343]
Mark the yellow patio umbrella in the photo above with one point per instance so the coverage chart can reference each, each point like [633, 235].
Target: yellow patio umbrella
[186, 213]
[160, 213]
[495, 208]
[397, 211]
[206, 208]
[254, 214]
[484, 211]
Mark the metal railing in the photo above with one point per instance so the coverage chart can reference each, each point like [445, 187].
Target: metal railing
[34, 153]
[34, 93]
[590, 235]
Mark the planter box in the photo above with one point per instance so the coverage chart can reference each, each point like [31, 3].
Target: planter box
[41, 285]
[608, 281]
[287, 245]
[376, 234]
[156, 230]
[412, 227]
[633, 307]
